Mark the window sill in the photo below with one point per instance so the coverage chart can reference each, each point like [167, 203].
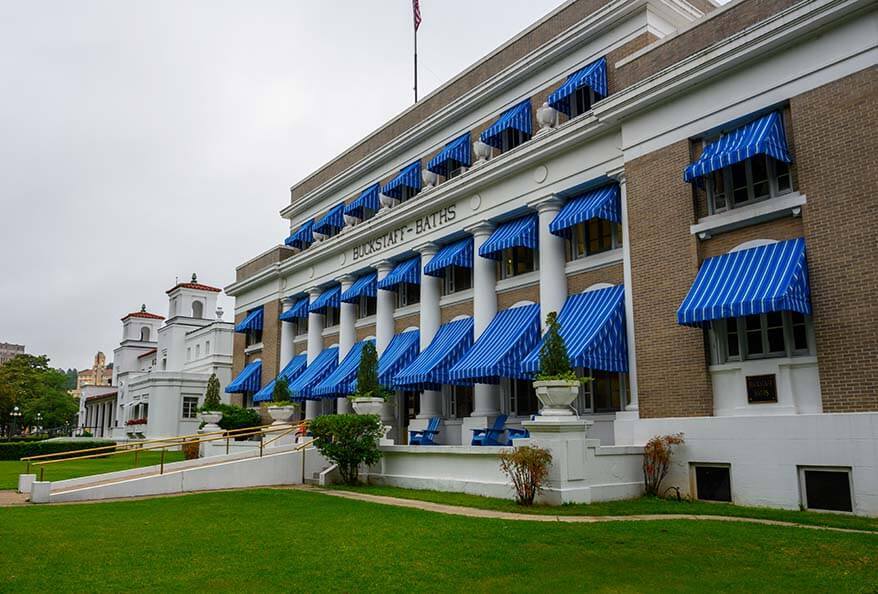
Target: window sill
[767, 210]
[456, 297]
[593, 262]
[522, 280]
[300, 338]
[253, 348]
[408, 310]
[331, 330]
[363, 322]
[803, 361]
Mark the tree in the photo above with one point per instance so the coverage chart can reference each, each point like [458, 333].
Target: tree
[212, 395]
[348, 440]
[280, 395]
[72, 378]
[367, 375]
[554, 362]
[28, 382]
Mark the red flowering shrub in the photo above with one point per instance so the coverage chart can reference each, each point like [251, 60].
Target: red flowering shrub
[657, 460]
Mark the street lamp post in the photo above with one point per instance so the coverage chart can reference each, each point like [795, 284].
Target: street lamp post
[39, 420]
[15, 414]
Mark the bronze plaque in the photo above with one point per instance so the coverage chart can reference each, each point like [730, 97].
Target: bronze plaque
[761, 388]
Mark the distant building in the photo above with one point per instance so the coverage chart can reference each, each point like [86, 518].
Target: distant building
[100, 374]
[9, 350]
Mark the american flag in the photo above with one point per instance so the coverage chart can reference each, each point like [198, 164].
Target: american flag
[416, 7]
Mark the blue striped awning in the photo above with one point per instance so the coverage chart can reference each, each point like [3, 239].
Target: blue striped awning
[343, 380]
[331, 221]
[518, 233]
[593, 329]
[409, 177]
[763, 136]
[291, 371]
[456, 154]
[517, 117]
[431, 368]
[319, 369]
[459, 253]
[402, 350]
[302, 237]
[252, 321]
[248, 380]
[298, 310]
[758, 280]
[366, 285]
[602, 203]
[498, 352]
[407, 271]
[594, 76]
[329, 298]
[368, 198]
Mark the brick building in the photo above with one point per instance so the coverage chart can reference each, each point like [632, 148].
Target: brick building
[9, 350]
[691, 186]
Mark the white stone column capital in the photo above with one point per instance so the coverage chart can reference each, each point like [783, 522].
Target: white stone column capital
[548, 203]
[314, 291]
[618, 175]
[346, 281]
[383, 266]
[481, 229]
[427, 249]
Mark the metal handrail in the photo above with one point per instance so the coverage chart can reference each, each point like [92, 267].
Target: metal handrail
[163, 445]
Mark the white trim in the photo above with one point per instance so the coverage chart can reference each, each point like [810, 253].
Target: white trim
[253, 348]
[408, 310]
[735, 218]
[527, 279]
[367, 321]
[753, 243]
[456, 297]
[598, 287]
[594, 262]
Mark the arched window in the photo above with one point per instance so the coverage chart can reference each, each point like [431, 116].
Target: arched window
[144, 333]
[197, 309]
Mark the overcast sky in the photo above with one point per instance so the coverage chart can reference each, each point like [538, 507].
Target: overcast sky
[141, 141]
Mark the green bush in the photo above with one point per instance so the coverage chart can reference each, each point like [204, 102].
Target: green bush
[212, 395]
[554, 361]
[15, 450]
[280, 395]
[237, 417]
[348, 440]
[367, 375]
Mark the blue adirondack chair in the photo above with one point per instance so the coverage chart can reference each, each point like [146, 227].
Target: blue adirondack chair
[491, 436]
[426, 436]
[516, 434]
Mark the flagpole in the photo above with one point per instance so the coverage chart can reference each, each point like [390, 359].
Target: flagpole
[416, 63]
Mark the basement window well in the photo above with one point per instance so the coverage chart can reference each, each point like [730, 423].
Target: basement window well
[712, 482]
[826, 488]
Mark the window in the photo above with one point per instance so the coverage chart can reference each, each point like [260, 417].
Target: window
[456, 278]
[188, 353]
[300, 326]
[606, 392]
[754, 179]
[407, 294]
[407, 193]
[511, 138]
[713, 482]
[366, 306]
[207, 347]
[582, 101]
[516, 261]
[247, 399]
[461, 401]
[523, 400]
[197, 351]
[776, 334]
[593, 237]
[332, 317]
[190, 406]
[826, 488]
[197, 309]
[144, 333]
[254, 337]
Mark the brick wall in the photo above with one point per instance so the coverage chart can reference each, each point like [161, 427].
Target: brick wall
[271, 341]
[837, 152]
[780, 229]
[239, 342]
[720, 26]
[449, 312]
[579, 282]
[671, 360]
[365, 332]
[406, 322]
[507, 299]
[270, 257]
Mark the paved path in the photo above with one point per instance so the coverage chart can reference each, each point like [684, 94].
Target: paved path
[9, 498]
[472, 512]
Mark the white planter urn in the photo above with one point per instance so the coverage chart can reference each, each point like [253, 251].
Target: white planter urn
[368, 406]
[318, 237]
[210, 418]
[386, 202]
[281, 415]
[547, 118]
[350, 221]
[429, 178]
[482, 152]
[556, 397]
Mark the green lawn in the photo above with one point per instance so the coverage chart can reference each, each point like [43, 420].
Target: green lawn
[645, 505]
[273, 540]
[10, 469]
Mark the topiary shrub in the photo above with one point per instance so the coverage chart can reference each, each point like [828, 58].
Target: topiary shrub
[527, 467]
[212, 400]
[657, 460]
[554, 362]
[348, 440]
[280, 395]
[367, 375]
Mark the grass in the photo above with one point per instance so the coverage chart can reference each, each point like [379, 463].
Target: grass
[10, 469]
[629, 507]
[273, 540]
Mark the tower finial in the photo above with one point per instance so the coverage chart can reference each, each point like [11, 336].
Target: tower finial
[194, 278]
[143, 308]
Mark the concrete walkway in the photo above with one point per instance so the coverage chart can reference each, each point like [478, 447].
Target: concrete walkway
[472, 512]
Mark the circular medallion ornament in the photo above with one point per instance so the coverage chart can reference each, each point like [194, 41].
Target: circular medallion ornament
[475, 202]
[341, 258]
[540, 174]
[311, 272]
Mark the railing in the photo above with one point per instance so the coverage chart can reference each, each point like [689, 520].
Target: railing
[163, 444]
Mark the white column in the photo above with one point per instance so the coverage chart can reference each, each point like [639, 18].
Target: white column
[315, 347]
[553, 280]
[629, 301]
[347, 334]
[431, 319]
[286, 337]
[486, 397]
[386, 304]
